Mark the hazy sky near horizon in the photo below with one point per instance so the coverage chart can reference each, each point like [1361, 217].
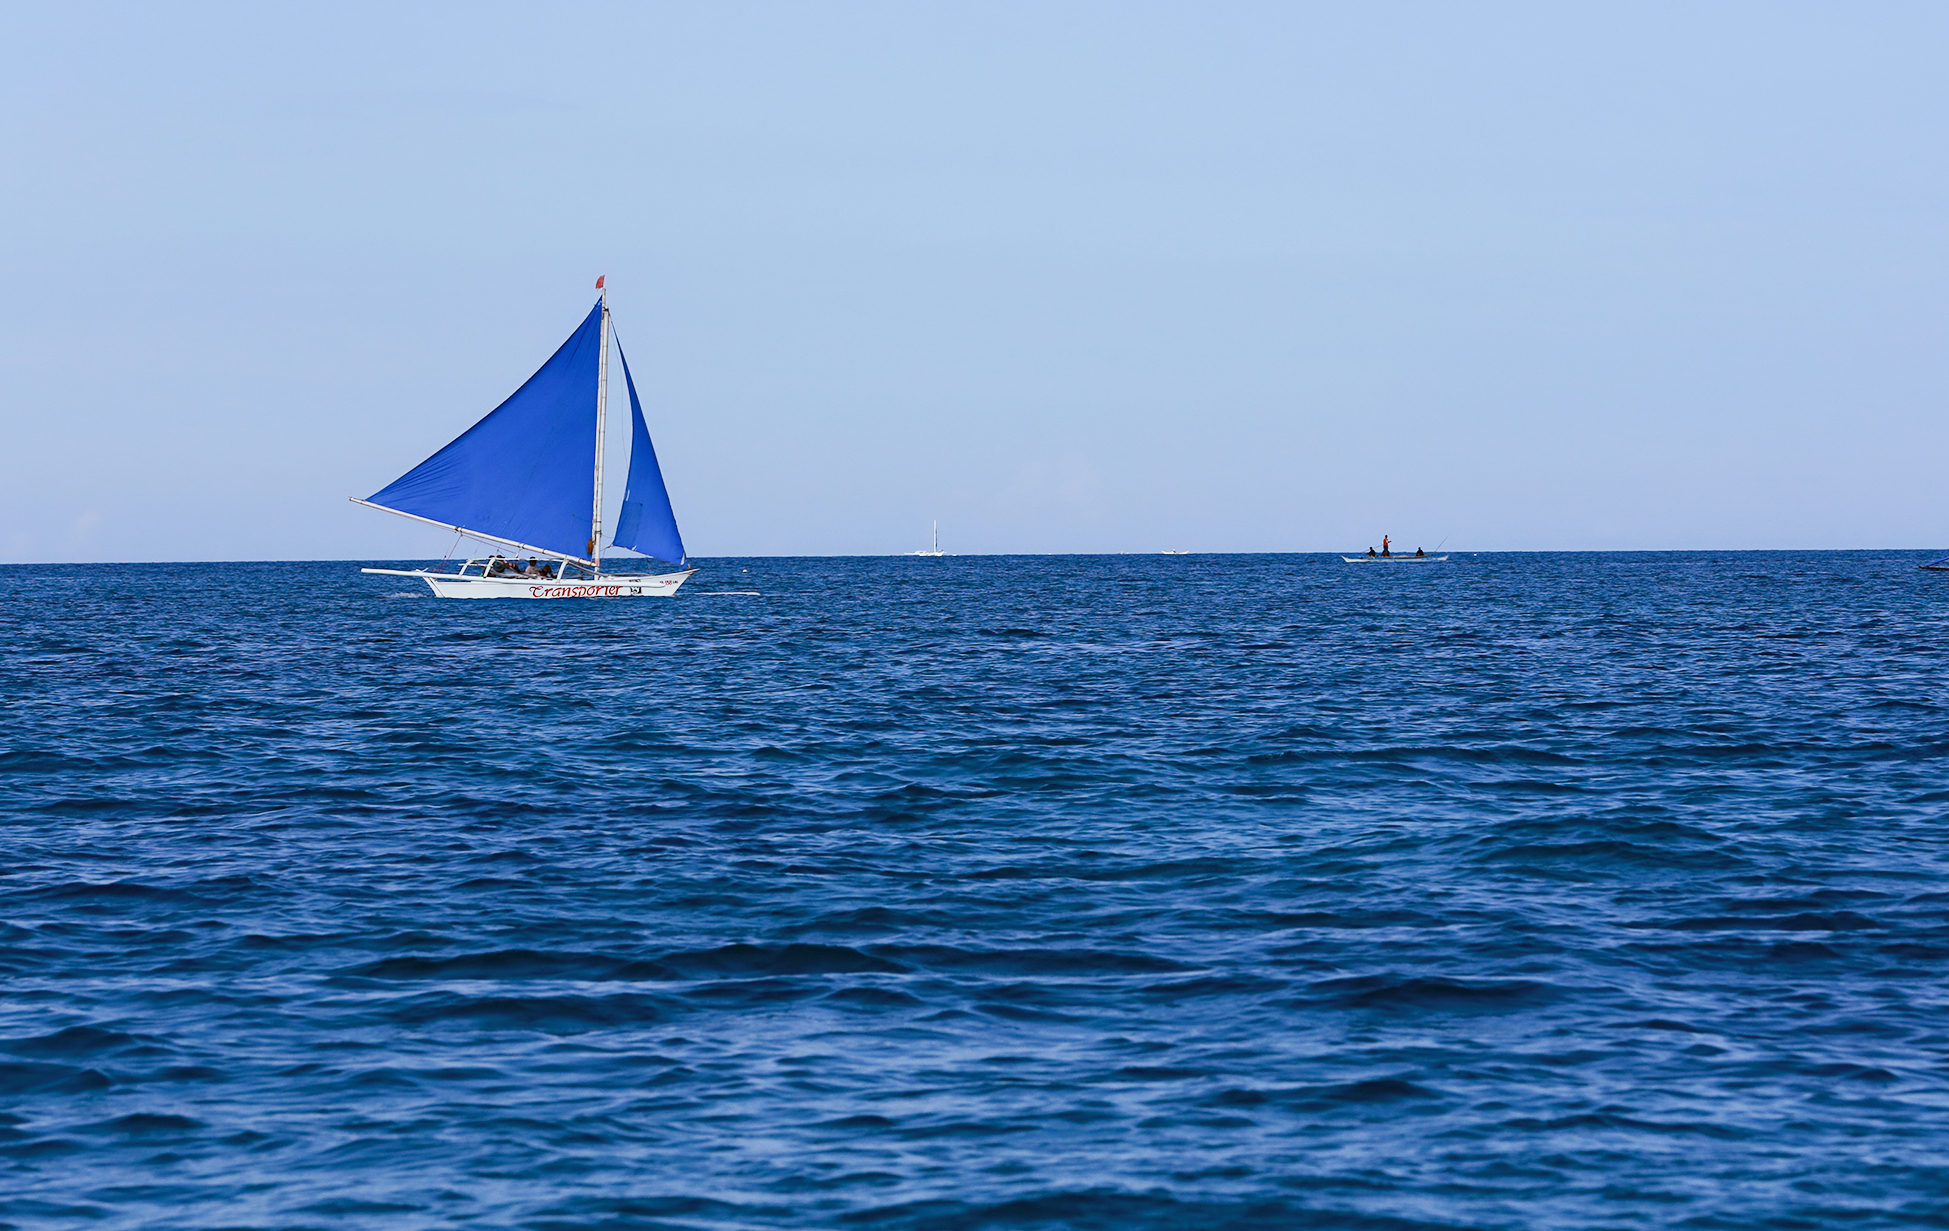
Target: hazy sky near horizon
[1065, 276]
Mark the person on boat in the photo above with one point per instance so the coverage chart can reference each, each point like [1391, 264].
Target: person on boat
[1384, 550]
[1418, 553]
[544, 571]
[498, 568]
[1372, 554]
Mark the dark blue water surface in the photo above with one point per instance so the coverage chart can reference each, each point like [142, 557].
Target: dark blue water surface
[1542, 891]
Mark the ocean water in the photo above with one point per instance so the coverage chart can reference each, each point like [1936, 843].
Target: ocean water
[1526, 891]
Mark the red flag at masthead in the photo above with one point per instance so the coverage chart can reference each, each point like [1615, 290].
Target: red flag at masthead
[599, 282]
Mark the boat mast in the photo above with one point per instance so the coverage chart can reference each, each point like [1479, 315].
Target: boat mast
[602, 418]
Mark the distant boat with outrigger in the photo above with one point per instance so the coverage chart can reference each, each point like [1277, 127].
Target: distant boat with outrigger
[528, 477]
[935, 551]
[1386, 555]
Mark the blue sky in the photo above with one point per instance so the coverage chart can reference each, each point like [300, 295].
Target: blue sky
[1065, 276]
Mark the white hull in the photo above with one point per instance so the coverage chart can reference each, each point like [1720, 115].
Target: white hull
[612, 585]
[1394, 559]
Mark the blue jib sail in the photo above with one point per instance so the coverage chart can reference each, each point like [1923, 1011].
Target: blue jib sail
[647, 523]
[526, 472]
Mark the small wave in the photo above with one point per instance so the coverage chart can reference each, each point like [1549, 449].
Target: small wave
[631, 1213]
[1609, 1120]
[874, 997]
[546, 1014]
[791, 959]
[1834, 921]
[72, 1041]
[1109, 1209]
[1429, 994]
[1017, 963]
[145, 1124]
[1609, 853]
[30, 1078]
[510, 964]
[344, 1207]
[1217, 985]
[1368, 1091]
[744, 993]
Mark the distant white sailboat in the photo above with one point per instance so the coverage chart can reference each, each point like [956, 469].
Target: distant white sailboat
[523, 478]
[936, 550]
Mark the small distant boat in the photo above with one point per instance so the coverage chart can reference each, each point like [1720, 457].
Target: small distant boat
[528, 476]
[936, 549]
[1394, 559]
[1939, 566]
[1170, 551]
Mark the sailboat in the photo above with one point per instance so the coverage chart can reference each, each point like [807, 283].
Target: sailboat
[528, 477]
[936, 550]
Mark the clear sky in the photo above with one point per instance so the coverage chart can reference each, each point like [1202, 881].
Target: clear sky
[1065, 276]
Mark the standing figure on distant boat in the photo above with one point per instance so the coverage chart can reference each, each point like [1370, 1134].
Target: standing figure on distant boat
[1384, 550]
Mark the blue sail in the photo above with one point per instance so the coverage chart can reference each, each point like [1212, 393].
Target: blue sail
[647, 523]
[526, 472]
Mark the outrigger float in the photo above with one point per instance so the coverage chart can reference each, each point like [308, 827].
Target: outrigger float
[528, 477]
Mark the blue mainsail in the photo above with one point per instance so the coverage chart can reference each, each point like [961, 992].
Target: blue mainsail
[526, 472]
[647, 523]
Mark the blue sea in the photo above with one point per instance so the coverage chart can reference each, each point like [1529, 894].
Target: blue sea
[1524, 891]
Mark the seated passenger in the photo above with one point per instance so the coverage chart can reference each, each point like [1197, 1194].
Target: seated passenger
[1418, 553]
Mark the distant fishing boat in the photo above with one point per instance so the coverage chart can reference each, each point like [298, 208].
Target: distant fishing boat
[1940, 566]
[1172, 551]
[936, 549]
[528, 476]
[1387, 555]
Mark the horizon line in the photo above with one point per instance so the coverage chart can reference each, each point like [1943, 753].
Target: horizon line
[999, 555]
